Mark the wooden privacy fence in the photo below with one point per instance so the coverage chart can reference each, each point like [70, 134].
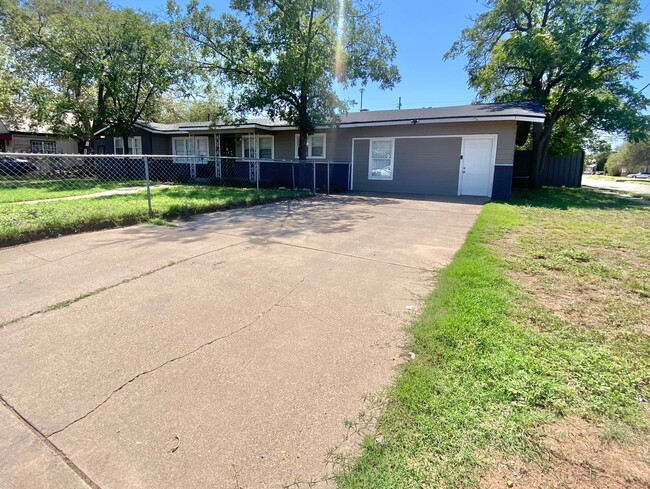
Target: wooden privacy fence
[559, 171]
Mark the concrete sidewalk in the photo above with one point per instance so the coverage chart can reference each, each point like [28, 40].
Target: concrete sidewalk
[224, 352]
[624, 185]
[103, 193]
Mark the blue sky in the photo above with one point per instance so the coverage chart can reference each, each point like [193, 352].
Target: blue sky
[423, 31]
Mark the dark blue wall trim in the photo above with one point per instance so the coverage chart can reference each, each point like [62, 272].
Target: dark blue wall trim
[502, 185]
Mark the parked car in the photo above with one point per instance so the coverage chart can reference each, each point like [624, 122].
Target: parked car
[12, 166]
[639, 175]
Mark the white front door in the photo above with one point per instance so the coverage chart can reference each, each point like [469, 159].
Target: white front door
[476, 166]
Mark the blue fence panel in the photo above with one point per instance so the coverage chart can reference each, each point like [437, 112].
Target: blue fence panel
[502, 184]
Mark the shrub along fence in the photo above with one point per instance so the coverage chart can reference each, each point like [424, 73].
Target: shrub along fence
[559, 171]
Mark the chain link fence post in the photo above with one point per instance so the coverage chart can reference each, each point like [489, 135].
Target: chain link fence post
[313, 165]
[328, 178]
[349, 182]
[257, 176]
[146, 177]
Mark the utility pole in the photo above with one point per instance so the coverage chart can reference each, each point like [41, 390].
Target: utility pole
[399, 104]
[362, 90]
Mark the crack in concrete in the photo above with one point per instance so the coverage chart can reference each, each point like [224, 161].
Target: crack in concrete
[69, 302]
[94, 248]
[180, 357]
[37, 257]
[306, 313]
[257, 240]
[43, 439]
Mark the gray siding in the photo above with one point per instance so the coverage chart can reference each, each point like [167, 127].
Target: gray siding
[421, 166]
[285, 145]
[160, 144]
[339, 140]
[506, 132]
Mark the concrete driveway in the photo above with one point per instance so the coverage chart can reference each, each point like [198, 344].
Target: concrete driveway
[225, 352]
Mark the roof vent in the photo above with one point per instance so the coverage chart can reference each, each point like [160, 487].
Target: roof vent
[363, 110]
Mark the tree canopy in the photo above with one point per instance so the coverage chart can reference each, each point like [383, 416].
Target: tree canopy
[174, 107]
[283, 57]
[577, 58]
[87, 65]
[632, 157]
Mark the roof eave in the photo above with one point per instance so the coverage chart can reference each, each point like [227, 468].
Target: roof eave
[441, 120]
[392, 122]
[395, 122]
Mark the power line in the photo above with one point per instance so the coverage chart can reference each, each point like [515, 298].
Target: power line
[644, 9]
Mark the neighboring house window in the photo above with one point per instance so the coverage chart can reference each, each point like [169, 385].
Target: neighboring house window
[382, 157]
[135, 145]
[192, 146]
[46, 147]
[315, 146]
[258, 147]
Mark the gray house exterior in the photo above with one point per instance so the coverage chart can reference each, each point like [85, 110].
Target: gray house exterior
[461, 150]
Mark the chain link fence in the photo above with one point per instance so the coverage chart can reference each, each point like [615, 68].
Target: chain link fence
[36, 178]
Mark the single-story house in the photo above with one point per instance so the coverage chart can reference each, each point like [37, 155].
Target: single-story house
[460, 150]
[28, 138]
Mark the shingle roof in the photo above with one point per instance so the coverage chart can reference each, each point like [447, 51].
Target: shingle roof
[479, 111]
[498, 111]
[25, 126]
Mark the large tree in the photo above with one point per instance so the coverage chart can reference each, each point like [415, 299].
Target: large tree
[630, 158]
[577, 58]
[141, 61]
[93, 65]
[283, 57]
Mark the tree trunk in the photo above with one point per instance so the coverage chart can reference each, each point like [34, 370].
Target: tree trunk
[302, 143]
[303, 127]
[127, 164]
[541, 138]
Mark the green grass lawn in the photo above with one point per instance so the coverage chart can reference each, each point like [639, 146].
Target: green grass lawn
[26, 222]
[22, 190]
[543, 315]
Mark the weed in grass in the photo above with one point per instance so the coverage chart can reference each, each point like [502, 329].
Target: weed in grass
[69, 302]
[159, 221]
[615, 431]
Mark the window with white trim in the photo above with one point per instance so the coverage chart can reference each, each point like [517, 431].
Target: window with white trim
[382, 156]
[261, 147]
[45, 147]
[316, 146]
[192, 146]
[135, 145]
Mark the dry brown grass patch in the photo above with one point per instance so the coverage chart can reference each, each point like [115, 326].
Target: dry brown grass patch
[577, 454]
